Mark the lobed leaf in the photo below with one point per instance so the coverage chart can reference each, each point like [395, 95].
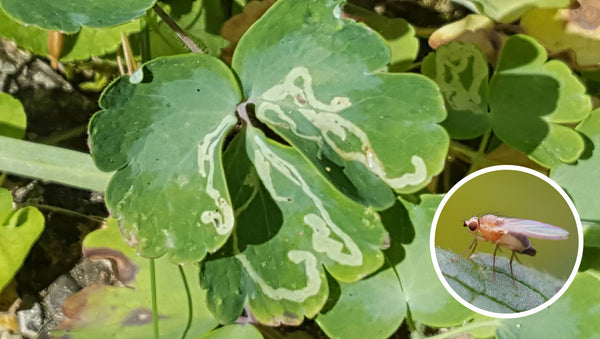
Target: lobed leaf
[19, 230]
[100, 311]
[530, 99]
[291, 222]
[70, 15]
[318, 81]
[461, 71]
[581, 180]
[428, 300]
[162, 130]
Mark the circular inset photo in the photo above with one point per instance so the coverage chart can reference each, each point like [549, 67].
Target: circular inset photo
[506, 241]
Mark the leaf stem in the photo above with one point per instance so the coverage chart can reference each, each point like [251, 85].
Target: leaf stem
[189, 302]
[474, 325]
[145, 37]
[61, 210]
[178, 31]
[154, 302]
[55, 138]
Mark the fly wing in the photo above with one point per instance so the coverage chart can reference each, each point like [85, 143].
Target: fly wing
[534, 229]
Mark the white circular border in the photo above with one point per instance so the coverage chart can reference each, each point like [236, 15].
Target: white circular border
[449, 195]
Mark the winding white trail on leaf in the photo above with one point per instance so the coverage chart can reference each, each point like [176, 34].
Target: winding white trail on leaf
[320, 222]
[222, 218]
[325, 117]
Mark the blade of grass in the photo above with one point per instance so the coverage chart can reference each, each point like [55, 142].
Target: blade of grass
[51, 163]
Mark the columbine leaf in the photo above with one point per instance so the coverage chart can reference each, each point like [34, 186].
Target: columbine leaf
[582, 179]
[162, 130]
[101, 311]
[575, 314]
[428, 300]
[370, 308]
[473, 281]
[12, 117]
[461, 71]
[530, 98]
[18, 232]
[70, 15]
[318, 82]
[291, 223]
[86, 43]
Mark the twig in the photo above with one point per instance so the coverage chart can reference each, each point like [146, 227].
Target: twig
[178, 31]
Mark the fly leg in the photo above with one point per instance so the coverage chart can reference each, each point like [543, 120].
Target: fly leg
[511, 270]
[463, 253]
[494, 262]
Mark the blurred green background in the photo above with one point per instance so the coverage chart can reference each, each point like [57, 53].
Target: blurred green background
[514, 194]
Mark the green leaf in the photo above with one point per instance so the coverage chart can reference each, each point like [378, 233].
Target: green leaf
[13, 120]
[233, 332]
[370, 308]
[318, 81]
[291, 223]
[86, 43]
[101, 311]
[18, 232]
[530, 98]
[397, 32]
[461, 71]
[507, 11]
[581, 180]
[70, 15]
[428, 300]
[473, 281]
[574, 315]
[162, 130]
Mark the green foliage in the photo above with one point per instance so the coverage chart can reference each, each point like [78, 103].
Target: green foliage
[85, 43]
[12, 117]
[474, 281]
[162, 131]
[18, 232]
[71, 15]
[275, 182]
[529, 99]
[99, 311]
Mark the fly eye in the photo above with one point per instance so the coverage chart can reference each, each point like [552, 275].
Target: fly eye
[472, 226]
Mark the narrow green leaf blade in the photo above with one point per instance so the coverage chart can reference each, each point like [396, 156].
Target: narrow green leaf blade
[70, 15]
[162, 130]
[530, 98]
[18, 232]
[318, 81]
[291, 223]
[101, 311]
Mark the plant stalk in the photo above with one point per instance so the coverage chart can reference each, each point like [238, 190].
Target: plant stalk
[189, 42]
